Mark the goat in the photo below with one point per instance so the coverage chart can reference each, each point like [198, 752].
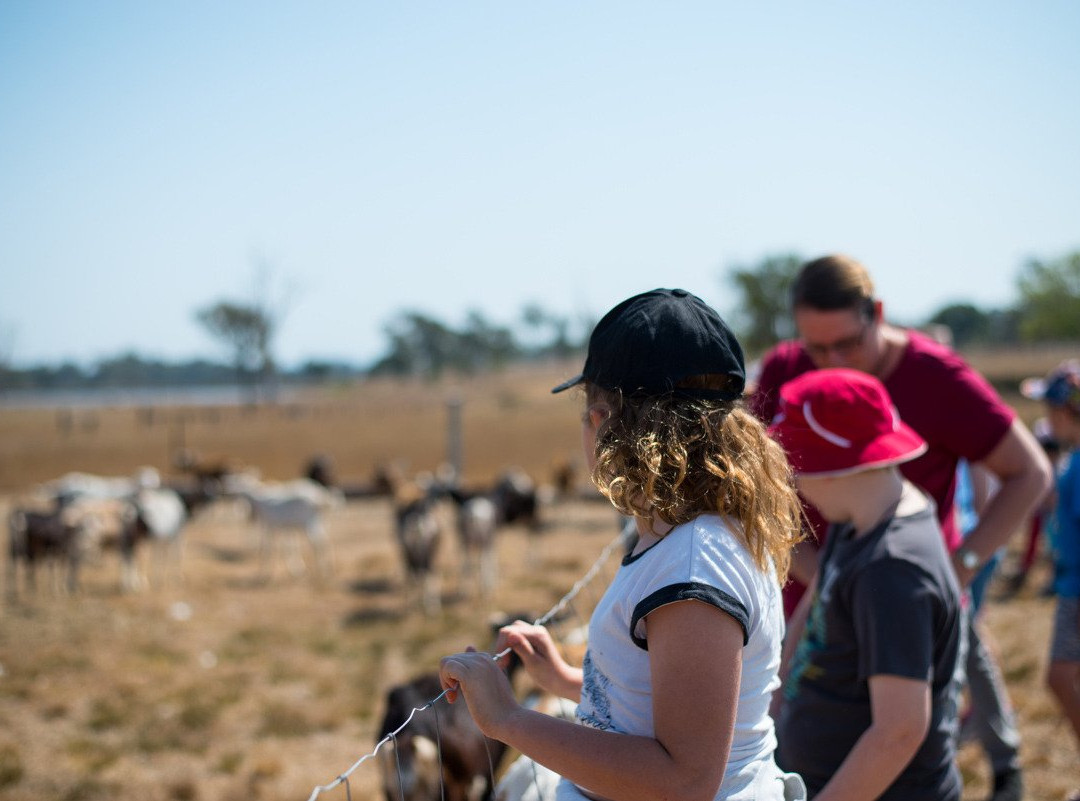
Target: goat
[52, 536]
[442, 746]
[159, 517]
[297, 504]
[514, 495]
[477, 518]
[194, 494]
[512, 499]
[419, 535]
[206, 472]
[71, 486]
[320, 469]
[123, 511]
[526, 780]
[563, 477]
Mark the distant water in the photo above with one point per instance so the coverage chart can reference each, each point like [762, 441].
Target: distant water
[226, 395]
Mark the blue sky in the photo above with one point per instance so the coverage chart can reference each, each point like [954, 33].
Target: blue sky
[448, 156]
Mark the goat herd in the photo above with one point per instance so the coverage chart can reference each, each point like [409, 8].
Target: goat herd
[78, 516]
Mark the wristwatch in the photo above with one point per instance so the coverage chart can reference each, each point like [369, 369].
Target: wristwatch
[968, 558]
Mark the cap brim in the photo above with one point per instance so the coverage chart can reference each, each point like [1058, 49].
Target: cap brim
[811, 456]
[862, 467]
[573, 382]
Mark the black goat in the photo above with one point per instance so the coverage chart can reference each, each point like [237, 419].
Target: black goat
[442, 753]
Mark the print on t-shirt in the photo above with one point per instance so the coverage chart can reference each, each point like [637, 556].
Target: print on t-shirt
[813, 639]
[594, 689]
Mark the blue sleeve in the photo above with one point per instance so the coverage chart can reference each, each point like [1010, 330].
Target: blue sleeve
[1066, 531]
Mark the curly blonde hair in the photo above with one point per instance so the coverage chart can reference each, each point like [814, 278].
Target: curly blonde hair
[673, 457]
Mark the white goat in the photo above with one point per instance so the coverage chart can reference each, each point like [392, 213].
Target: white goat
[87, 485]
[526, 780]
[292, 505]
[160, 517]
[477, 522]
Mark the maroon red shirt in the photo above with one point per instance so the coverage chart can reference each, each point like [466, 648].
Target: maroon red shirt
[938, 394]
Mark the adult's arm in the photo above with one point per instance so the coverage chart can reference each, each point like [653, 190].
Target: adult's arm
[900, 711]
[1025, 476]
[695, 660]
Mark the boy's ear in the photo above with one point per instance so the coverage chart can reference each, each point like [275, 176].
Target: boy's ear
[878, 312]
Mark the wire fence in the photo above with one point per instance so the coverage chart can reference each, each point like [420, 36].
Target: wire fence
[562, 605]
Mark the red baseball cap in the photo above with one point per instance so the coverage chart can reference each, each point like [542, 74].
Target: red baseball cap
[837, 421]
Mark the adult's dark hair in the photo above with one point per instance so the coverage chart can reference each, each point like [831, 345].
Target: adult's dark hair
[833, 283]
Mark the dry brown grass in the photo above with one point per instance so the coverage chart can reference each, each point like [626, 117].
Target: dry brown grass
[223, 687]
[508, 419]
[227, 687]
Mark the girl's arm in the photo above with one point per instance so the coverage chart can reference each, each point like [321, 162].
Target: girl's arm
[695, 653]
[900, 714]
[541, 659]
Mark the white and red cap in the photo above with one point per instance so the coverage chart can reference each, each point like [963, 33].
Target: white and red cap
[837, 421]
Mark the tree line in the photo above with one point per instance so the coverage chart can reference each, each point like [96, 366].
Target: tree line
[418, 344]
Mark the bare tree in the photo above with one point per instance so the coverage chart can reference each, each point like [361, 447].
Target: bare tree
[248, 329]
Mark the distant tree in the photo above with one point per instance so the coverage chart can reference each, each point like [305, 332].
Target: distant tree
[538, 319]
[422, 345]
[1050, 299]
[762, 314]
[966, 322]
[1003, 326]
[127, 369]
[321, 370]
[247, 329]
[482, 345]
[418, 345]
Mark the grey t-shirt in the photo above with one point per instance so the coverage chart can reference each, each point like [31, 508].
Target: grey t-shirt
[887, 604]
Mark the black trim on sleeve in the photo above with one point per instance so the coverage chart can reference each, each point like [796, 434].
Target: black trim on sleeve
[689, 591]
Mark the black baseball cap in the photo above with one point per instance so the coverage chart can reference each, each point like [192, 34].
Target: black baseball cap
[651, 342]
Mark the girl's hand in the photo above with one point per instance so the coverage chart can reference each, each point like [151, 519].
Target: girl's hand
[486, 689]
[537, 651]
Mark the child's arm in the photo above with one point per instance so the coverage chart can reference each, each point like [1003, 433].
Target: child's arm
[539, 656]
[695, 655]
[900, 711]
[795, 628]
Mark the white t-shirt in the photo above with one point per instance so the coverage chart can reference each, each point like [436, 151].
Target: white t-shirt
[705, 561]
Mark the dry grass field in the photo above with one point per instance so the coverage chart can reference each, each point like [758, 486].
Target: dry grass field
[221, 686]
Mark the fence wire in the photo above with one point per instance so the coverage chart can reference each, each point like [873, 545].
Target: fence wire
[560, 606]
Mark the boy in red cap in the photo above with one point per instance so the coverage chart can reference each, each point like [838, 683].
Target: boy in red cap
[869, 704]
